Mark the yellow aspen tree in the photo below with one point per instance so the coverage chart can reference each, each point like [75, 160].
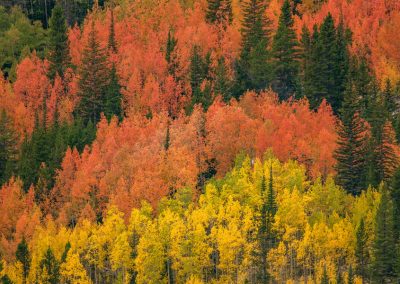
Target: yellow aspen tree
[72, 270]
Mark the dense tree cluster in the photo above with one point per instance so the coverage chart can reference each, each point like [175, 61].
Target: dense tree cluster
[198, 141]
[264, 221]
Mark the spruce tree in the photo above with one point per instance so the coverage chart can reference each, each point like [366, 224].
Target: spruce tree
[305, 63]
[361, 76]
[8, 149]
[325, 277]
[342, 64]
[395, 195]
[171, 55]
[312, 52]
[351, 151]
[339, 278]
[362, 255]
[59, 56]
[253, 71]
[222, 85]
[266, 234]
[23, 256]
[50, 268]
[327, 61]
[385, 253]
[113, 96]
[199, 71]
[219, 12]
[93, 80]
[350, 276]
[382, 159]
[285, 55]
[65, 253]
[385, 158]
[112, 44]
[388, 97]
[167, 139]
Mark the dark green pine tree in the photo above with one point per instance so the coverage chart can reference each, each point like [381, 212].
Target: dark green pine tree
[339, 278]
[23, 256]
[93, 81]
[112, 44]
[219, 12]
[167, 142]
[325, 277]
[364, 86]
[327, 61]
[350, 276]
[285, 55]
[59, 56]
[382, 158]
[343, 40]
[362, 252]
[395, 194]
[113, 96]
[351, 151]
[8, 149]
[171, 55]
[199, 71]
[312, 52]
[65, 253]
[306, 62]
[385, 253]
[51, 266]
[253, 70]
[266, 235]
[388, 100]
[222, 84]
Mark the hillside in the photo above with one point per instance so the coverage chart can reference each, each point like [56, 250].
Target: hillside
[199, 141]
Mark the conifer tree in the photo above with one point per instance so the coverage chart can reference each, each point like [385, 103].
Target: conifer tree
[23, 256]
[327, 62]
[395, 195]
[112, 44]
[266, 234]
[219, 12]
[351, 151]
[167, 139]
[199, 71]
[93, 81]
[222, 85]
[339, 278]
[113, 96]
[350, 276]
[385, 253]
[362, 79]
[362, 255]
[388, 97]
[312, 51]
[325, 277]
[50, 268]
[171, 55]
[59, 56]
[253, 71]
[65, 253]
[285, 55]
[8, 150]
[385, 157]
[343, 40]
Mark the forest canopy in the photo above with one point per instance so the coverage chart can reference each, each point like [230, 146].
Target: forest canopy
[199, 141]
